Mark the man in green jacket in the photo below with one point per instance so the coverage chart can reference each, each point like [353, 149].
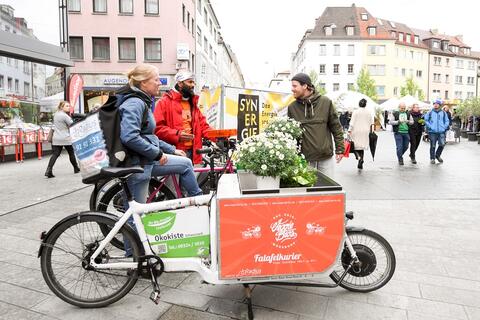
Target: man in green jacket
[319, 121]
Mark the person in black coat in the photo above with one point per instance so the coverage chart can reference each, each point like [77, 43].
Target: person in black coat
[415, 131]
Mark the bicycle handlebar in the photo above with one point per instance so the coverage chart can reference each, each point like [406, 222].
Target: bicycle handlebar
[205, 151]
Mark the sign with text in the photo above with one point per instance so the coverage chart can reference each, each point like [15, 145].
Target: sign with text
[280, 236]
[248, 116]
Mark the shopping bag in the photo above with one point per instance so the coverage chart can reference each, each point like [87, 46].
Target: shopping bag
[50, 135]
[450, 136]
[348, 146]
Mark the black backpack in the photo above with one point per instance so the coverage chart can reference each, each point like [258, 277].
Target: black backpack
[109, 116]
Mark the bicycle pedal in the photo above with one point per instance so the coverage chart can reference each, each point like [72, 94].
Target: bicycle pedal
[155, 296]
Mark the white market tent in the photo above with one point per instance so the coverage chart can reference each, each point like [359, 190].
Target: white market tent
[49, 104]
[392, 103]
[348, 101]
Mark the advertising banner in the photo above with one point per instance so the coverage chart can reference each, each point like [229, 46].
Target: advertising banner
[279, 236]
[75, 87]
[246, 110]
[179, 234]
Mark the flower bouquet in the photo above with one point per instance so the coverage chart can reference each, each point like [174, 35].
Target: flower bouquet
[285, 125]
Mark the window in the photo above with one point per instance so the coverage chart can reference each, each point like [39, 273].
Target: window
[460, 64]
[16, 63]
[447, 61]
[380, 90]
[412, 55]
[446, 94]
[436, 93]
[188, 21]
[322, 69]
[351, 86]
[364, 16]
[437, 61]
[408, 38]
[210, 25]
[336, 49]
[351, 50]
[17, 85]
[100, 6]
[184, 14]
[458, 94]
[9, 84]
[458, 80]
[376, 50]
[199, 6]
[193, 27]
[210, 50]
[322, 85]
[350, 69]
[350, 31]
[215, 35]
[419, 73]
[101, 48]
[328, 30]
[205, 17]
[454, 49]
[126, 6]
[471, 65]
[73, 5]
[470, 80]
[126, 49]
[151, 7]
[153, 49]
[400, 37]
[393, 34]
[470, 95]
[466, 51]
[376, 69]
[416, 40]
[215, 57]
[205, 44]
[436, 77]
[335, 68]
[447, 80]
[395, 91]
[403, 72]
[76, 48]
[436, 44]
[26, 89]
[372, 31]
[336, 86]
[2, 81]
[323, 50]
[199, 36]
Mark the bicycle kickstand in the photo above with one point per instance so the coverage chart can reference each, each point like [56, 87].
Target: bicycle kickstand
[155, 295]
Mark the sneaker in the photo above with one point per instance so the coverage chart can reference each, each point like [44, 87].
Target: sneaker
[400, 162]
[432, 161]
[439, 159]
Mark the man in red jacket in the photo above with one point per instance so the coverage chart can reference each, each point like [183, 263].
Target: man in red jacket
[178, 118]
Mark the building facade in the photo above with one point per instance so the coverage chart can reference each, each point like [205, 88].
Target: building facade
[347, 39]
[158, 32]
[216, 64]
[20, 80]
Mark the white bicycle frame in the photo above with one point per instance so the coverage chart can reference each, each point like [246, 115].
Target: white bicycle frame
[209, 273]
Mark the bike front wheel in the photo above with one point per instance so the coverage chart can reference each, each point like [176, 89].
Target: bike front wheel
[377, 262]
[65, 262]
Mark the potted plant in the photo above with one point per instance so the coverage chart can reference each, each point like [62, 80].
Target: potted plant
[268, 155]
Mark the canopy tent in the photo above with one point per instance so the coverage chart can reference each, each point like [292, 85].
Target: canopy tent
[392, 103]
[49, 104]
[348, 101]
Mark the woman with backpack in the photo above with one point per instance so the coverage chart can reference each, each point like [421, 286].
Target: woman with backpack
[61, 138]
[156, 157]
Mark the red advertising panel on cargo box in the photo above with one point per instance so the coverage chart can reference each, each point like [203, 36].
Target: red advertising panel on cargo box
[261, 237]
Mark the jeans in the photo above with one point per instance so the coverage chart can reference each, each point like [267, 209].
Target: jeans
[324, 166]
[183, 167]
[401, 140]
[56, 150]
[434, 138]
[415, 139]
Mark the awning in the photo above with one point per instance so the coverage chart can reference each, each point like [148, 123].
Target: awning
[29, 49]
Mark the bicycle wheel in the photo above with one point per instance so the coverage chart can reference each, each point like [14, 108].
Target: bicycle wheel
[98, 191]
[112, 202]
[65, 262]
[377, 262]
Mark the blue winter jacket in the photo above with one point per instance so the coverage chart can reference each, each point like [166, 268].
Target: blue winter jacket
[436, 121]
[140, 139]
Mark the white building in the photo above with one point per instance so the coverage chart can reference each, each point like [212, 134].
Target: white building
[19, 79]
[215, 62]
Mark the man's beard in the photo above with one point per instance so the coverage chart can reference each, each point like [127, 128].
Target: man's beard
[187, 92]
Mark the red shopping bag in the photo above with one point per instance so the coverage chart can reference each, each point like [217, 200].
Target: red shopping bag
[348, 145]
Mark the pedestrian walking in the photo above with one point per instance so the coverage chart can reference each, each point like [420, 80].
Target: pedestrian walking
[359, 130]
[61, 138]
[436, 122]
[415, 131]
[400, 120]
[320, 123]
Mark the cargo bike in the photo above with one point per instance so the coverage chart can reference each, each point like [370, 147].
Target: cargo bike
[237, 234]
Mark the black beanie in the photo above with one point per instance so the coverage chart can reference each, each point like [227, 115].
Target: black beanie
[303, 79]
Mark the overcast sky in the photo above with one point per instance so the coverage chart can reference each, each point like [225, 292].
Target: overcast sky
[264, 33]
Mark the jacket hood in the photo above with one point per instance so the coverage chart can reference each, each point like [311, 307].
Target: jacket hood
[309, 104]
[128, 90]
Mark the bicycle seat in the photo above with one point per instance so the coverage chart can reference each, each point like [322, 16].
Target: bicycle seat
[112, 172]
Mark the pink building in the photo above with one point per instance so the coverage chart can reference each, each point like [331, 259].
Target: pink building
[109, 37]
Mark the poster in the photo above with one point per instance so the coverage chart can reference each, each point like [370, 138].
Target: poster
[279, 236]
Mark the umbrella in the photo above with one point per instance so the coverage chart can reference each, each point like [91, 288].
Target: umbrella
[372, 143]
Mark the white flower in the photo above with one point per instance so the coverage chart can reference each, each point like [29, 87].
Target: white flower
[272, 151]
[252, 149]
[264, 167]
[281, 156]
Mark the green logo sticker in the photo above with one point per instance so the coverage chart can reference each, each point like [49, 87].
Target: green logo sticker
[159, 222]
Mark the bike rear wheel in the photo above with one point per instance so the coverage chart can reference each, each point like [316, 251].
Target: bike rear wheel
[377, 262]
[65, 262]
